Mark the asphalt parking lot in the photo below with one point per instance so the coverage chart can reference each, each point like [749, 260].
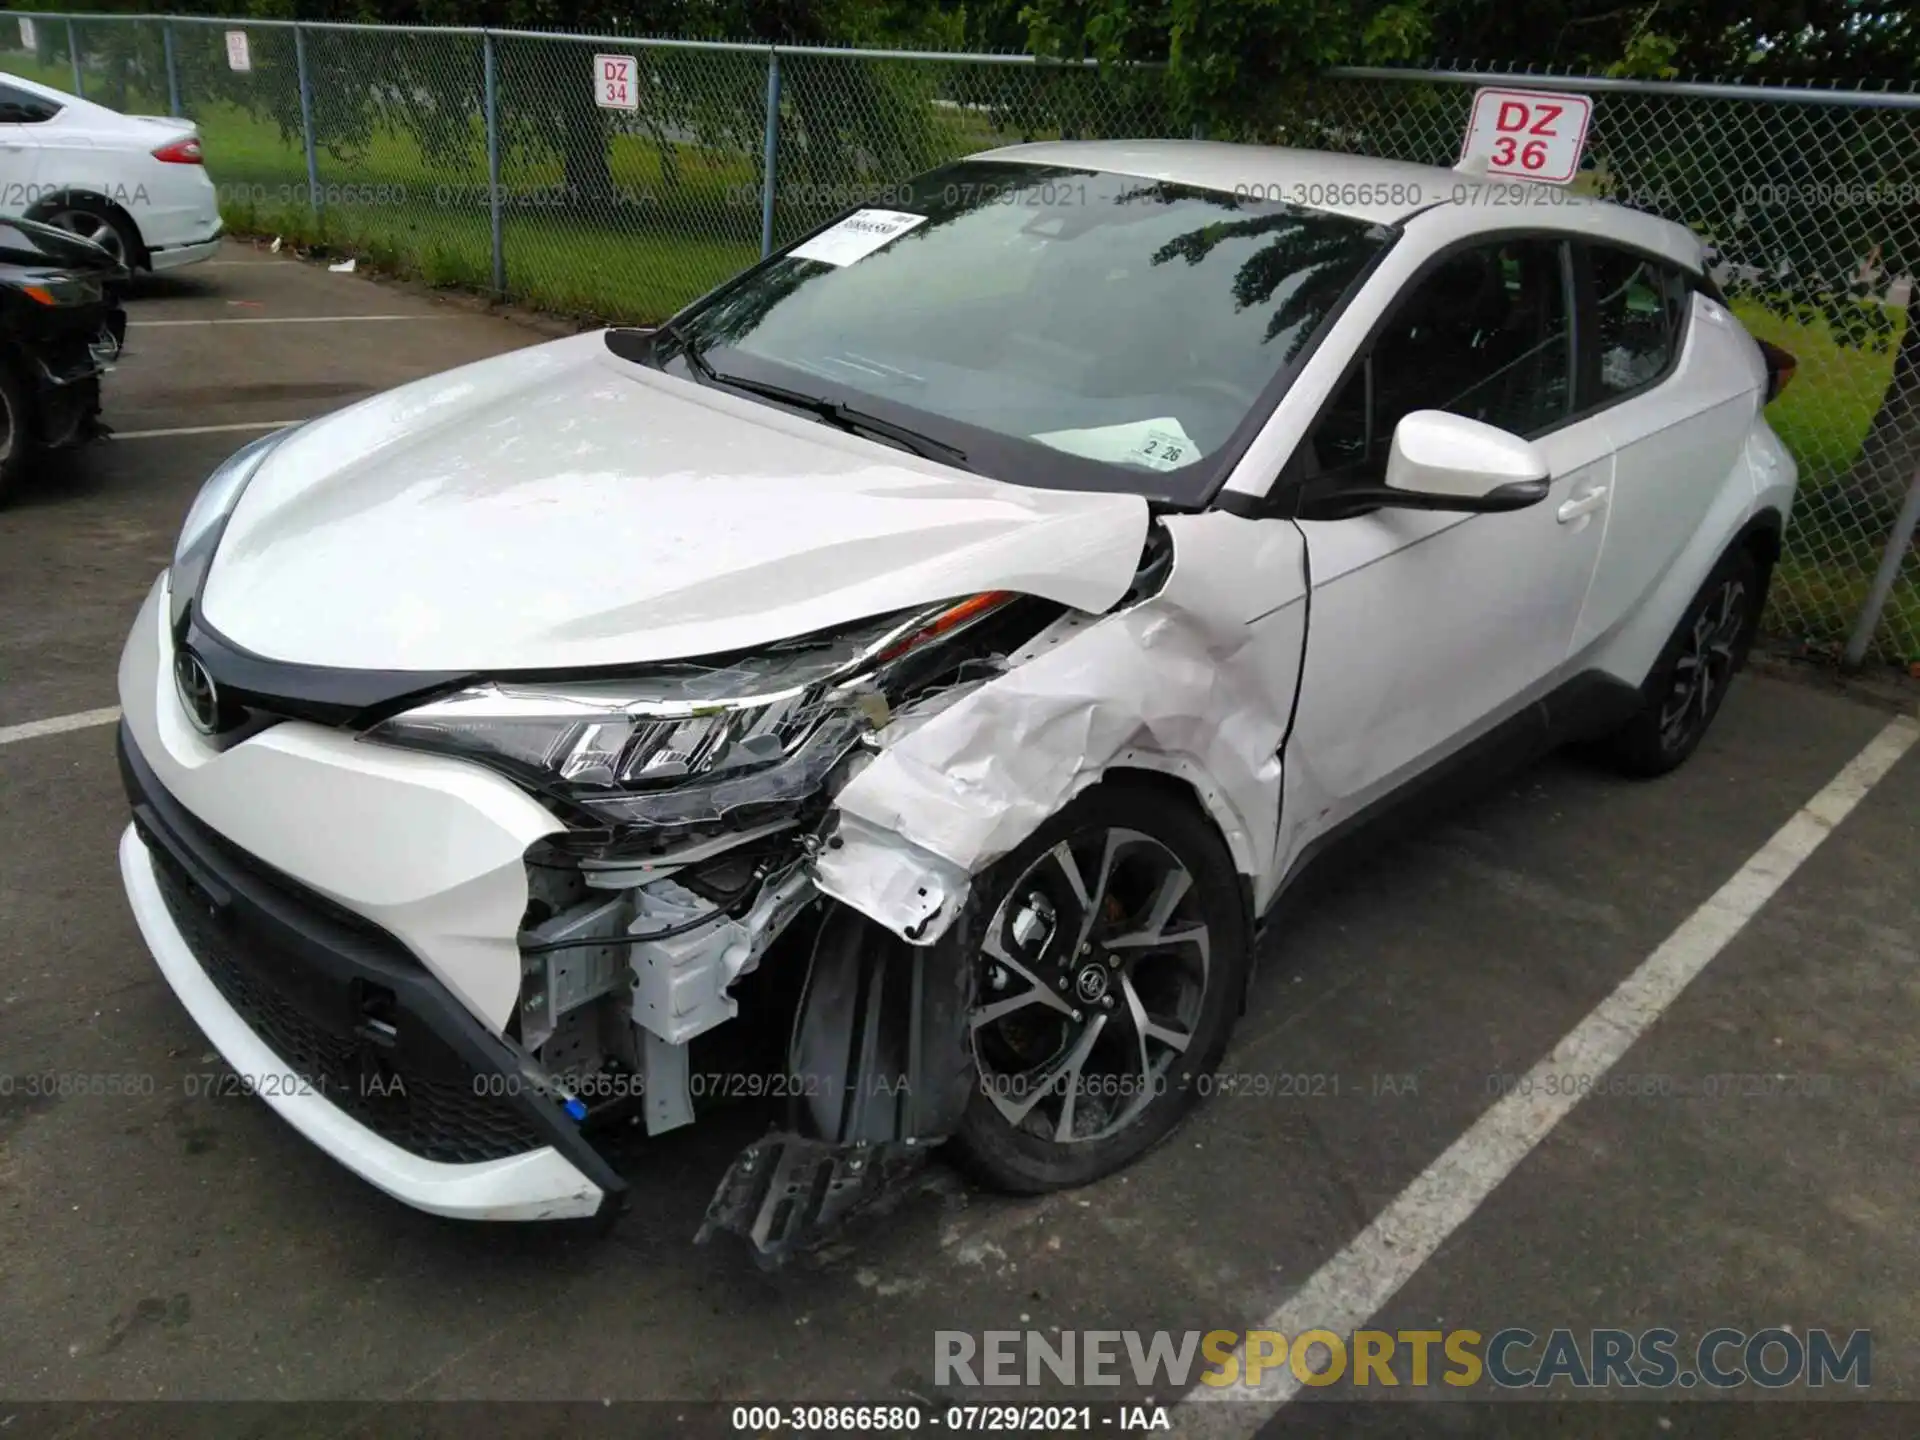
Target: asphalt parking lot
[168, 1245]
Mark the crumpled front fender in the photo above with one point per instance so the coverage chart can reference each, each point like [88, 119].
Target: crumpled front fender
[1197, 681]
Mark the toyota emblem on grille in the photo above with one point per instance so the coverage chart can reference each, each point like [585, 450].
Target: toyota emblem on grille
[197, 692]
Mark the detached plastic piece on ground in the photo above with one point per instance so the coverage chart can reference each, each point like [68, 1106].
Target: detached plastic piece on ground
[881, 1074]
[785, 1192]
[345, 267]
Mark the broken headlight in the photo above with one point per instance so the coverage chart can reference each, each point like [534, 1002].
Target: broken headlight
[686, 746]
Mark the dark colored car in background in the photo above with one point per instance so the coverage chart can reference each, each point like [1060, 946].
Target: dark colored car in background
[61, 328]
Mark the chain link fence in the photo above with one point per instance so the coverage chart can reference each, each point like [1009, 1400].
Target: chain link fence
[484, 158]
[1811, 202]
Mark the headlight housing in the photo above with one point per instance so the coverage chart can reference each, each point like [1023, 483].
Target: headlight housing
[58, 290]
[689, 747]
[207, 520]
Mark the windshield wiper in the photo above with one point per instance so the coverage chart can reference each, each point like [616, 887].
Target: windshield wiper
[696, 362]
[845, 417]
[852, 420]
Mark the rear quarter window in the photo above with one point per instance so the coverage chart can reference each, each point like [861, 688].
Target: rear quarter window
[1639, 318]
[17, 107]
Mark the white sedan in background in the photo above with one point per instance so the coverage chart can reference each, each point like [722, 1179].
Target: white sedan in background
[132, 184]
[946, 642]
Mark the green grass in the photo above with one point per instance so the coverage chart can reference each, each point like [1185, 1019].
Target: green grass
[1819, 601]
[1824, 414]
[1838, 535]
[675, 234]
[671, 237]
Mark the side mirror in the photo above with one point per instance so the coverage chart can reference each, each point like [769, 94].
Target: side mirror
[1448, 462]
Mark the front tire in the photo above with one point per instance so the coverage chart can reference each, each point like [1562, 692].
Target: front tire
[1684, 691]
[1111, 952]
[16, 432]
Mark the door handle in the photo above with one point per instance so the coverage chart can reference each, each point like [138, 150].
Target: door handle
[1581, 505]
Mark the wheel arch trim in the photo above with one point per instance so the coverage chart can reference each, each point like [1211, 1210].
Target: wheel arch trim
[1765, 535]
[1178, 775]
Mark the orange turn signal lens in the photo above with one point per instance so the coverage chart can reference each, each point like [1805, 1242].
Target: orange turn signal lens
[950, 618]
[40, 293]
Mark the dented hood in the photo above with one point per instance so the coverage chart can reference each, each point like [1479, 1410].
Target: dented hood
[559, 507]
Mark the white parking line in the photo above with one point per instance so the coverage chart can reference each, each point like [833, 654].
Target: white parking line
[58, 725]
[1355, 1284]
[278, 320]
[202, 429]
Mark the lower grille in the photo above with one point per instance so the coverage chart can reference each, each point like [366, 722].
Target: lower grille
[415, 1091]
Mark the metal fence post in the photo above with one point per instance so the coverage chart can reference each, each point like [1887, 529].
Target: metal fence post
[1889, 571]
[489, 63]
[173, 67]
[770, 156]
[306, 117]
[73, 54]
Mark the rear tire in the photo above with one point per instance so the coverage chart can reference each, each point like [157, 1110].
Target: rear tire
[1111, 954]
[1684, 690]
[97, 221]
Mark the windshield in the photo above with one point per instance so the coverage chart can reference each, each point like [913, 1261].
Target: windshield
[1047, 326]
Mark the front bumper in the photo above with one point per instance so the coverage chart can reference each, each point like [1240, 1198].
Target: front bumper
[343, 1033]
[430, 849]
[338, 872]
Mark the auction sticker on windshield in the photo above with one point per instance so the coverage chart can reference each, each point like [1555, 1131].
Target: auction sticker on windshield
[857, 236]
[1161, 444]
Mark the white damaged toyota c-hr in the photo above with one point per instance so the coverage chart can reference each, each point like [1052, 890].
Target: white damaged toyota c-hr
[936, 649]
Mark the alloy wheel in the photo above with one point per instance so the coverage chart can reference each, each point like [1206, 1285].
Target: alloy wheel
[1705, 664]
[89, 226]
[1092, 978]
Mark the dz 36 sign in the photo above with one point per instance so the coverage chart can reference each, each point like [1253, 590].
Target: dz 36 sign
[1526, 134]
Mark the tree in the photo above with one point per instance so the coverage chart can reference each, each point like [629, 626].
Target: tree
[1234, 67]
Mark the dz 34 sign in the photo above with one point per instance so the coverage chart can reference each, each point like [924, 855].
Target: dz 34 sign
[615, 86]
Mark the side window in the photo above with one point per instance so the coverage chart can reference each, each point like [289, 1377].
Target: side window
[1484, 335]
[17, 107]
[1639, 306]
